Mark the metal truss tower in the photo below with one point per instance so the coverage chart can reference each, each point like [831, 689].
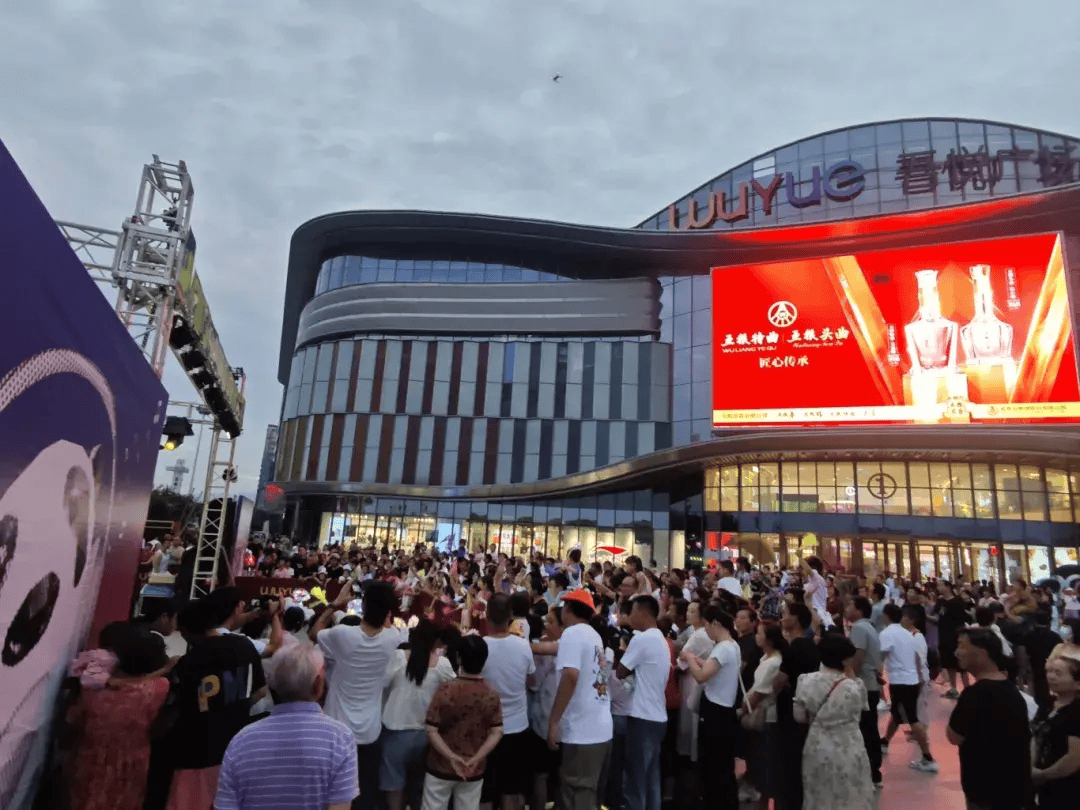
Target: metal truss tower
[143, 262]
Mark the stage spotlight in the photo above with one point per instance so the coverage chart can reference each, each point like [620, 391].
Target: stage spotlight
[176, 429]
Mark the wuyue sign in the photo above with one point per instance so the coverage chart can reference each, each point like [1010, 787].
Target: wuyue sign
[842, 181]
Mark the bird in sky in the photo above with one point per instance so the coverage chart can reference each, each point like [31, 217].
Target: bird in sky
[556, 77]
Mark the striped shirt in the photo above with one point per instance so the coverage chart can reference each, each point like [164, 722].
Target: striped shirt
[297, 758]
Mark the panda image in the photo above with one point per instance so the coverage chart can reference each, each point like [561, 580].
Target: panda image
[55, 518]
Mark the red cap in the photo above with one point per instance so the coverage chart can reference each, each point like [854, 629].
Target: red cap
[580, 595]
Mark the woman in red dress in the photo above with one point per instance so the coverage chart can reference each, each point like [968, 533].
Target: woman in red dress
[112, 755]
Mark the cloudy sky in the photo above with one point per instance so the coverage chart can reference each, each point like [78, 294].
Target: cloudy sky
[287, 109]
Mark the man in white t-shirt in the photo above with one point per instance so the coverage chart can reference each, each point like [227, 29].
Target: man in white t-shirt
[904, 659]
[648, 657]
[581, 715]
[357, 658]
[728, 582]
[509, 663]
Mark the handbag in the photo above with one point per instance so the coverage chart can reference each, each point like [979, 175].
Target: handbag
[752, 719]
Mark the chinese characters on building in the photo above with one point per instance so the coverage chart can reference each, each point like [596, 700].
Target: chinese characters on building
[919, 172]
[788, 361]
[825, 335]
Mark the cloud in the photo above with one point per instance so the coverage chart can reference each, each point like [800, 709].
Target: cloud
[287, 109]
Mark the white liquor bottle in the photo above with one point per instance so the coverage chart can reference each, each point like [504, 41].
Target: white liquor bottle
[987, 340]
[931, 337]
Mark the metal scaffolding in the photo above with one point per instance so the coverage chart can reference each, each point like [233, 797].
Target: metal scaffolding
[143, 263]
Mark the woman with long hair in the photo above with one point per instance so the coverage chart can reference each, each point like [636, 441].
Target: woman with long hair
[412, 678]
[1055, 744]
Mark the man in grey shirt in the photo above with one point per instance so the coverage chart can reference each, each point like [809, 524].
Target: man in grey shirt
[877, 616]
[867, 663]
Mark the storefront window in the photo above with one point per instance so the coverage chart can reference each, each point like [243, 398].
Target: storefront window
[985, 564]
[1015, 560]
[927, 563]
[1065, 556]
[1038, 562]
[945, 562]
[869, 560]
[845, 553]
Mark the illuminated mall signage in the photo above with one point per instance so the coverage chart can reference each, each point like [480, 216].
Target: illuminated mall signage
[842, 181]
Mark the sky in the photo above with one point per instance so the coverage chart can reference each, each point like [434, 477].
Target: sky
[288, 109]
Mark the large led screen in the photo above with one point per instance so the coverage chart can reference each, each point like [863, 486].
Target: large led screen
[963, 332]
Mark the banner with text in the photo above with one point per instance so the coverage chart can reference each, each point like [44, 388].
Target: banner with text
[964, 332]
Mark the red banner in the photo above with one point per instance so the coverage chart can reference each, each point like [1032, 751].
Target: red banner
[965, 332]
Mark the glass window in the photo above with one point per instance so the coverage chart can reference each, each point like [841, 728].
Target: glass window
[769, 487]
[1057, 485]
[845, 474]
[984, 503]
[337, 268]
[963, 503]
[749, 479]
[1009, 505]
[980, 476]
[386, 270]
[961, 475]
[1031, 479]
[352, 270]
[1006, 477]
[920, 501]
[920, 476]
[1034, 505]
[729, 489]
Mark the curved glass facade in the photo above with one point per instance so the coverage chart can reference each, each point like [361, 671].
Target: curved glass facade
[907, 166]
[372, 417]
[344, 271]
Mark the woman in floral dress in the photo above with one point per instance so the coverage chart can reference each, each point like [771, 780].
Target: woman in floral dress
[112, 755]
[836, 770]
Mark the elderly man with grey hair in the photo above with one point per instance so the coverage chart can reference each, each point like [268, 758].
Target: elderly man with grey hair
[297, 758]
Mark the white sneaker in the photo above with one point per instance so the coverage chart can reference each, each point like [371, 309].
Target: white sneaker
[882, 706]
[924, 765]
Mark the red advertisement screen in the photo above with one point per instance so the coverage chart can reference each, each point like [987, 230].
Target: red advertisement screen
[962, 332]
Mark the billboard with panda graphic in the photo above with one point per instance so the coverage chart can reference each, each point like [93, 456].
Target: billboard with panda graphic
[80, 426]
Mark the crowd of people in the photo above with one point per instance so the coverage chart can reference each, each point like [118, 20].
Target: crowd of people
[481, 679]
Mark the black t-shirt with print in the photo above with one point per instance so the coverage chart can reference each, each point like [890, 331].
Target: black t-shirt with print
[995, 756]
[1052, 730]
[214, 682]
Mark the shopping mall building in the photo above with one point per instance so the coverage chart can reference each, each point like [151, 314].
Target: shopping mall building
[860, 342]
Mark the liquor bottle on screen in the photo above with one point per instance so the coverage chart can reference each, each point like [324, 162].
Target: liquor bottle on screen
[931, 337]
[988, 344]
[987, 340]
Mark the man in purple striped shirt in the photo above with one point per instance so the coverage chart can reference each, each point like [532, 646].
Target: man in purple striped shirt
[297, 758]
